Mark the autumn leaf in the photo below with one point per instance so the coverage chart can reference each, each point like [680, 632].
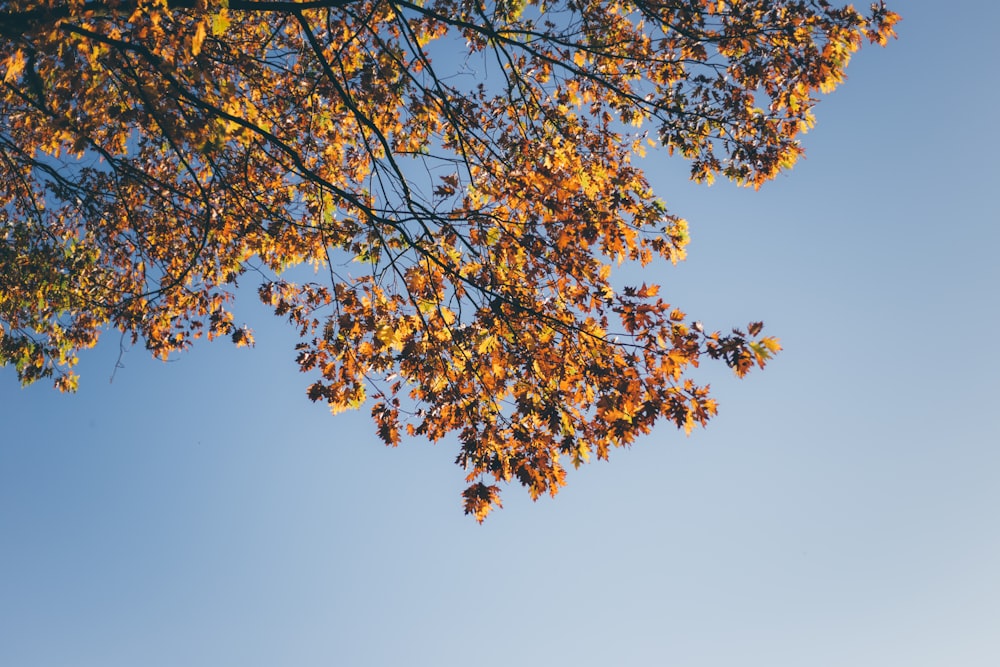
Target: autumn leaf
[220, 22]
[13, 66]
[480, 500]
[460, 239]
[199, 37]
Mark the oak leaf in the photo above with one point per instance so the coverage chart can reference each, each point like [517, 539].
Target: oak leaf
[468, 232]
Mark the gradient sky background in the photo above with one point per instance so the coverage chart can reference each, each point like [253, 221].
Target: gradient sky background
[843, 509]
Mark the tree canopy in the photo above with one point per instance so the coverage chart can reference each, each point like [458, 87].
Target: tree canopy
[459, 173]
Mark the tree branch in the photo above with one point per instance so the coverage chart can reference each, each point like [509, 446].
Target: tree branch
[14, 23]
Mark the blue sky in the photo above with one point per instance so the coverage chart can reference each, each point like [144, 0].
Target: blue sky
[842, 509]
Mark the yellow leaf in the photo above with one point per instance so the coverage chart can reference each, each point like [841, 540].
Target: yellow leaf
[220, 22]
[771, 343]
[385, 335]
[487, 344]
[15, 65]
[199, 38]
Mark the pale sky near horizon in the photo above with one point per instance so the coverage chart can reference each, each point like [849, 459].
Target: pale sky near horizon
[842, 510]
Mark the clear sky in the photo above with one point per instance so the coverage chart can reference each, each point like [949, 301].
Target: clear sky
[843, 509]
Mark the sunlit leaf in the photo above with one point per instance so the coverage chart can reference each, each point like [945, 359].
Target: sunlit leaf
[457, 236]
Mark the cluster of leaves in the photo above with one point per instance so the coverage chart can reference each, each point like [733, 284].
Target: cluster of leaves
[459, 171]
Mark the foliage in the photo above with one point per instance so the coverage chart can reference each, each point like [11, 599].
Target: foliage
[459, 173]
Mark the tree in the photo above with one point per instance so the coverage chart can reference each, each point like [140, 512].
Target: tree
[458, 172]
